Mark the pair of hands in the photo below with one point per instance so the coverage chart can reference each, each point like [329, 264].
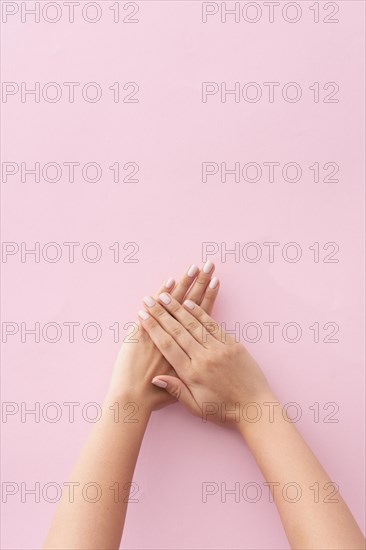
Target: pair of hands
[183, 354]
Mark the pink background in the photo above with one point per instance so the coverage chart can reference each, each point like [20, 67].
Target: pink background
[170, 212]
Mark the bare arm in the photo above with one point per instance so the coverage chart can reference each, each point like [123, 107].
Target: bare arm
[94, 518]
[312, 511]
[103, 473]
[217, 373]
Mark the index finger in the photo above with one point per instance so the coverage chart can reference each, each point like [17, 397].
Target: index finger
[185, 283]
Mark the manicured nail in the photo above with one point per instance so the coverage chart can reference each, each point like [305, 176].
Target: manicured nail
[214, 282]
[143, 314]
[169, 283]
[165, 298]
[160, 383]
[189, 304]
[207, 267]
[149, 301]
[192, 271]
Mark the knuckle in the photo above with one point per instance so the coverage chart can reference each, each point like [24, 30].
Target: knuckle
[165, 344]
[195, 376]
[211, 327]
[210, 362]
[151, 323]
[177, 331]
[176, 392]
[160, 312]
[199, 313]
[175, 306]
[226, 354]
[193, 326]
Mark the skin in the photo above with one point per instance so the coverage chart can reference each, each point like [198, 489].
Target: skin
[217, 380]
[110, 453]
[186, 356]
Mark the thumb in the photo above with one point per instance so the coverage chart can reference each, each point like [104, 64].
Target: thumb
[175, 387]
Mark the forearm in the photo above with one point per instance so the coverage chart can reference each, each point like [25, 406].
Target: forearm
[311, 518]
[107, 462]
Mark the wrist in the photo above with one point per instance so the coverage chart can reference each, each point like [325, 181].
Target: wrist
[128, 406]
[258, 413]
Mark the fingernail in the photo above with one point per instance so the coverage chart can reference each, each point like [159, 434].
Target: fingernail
[192, 270]
[189, 304]
[169, 283]
[207, 267]
[160, 383]
[149, 301]
[214, 282]
[143, 314]
[165, 298]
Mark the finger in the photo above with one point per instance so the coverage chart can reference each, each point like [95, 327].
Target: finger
[197, 291]
[175, 387]
[168, 287]
[186, 320]
[210, 295]
[165, 343]
[185, 283]
[171, 325]
[141, 334]
[208, 323]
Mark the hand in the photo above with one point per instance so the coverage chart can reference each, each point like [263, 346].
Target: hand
[139, 362]
[216, 374]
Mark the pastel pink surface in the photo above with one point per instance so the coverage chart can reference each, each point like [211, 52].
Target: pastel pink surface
[169, 213]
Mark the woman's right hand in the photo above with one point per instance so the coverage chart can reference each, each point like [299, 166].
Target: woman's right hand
[140, 361]
[218, 378]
